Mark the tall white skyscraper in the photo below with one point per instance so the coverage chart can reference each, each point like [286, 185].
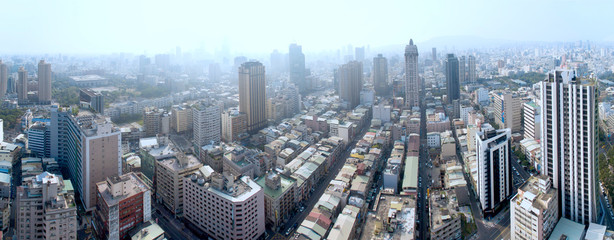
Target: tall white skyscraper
[493, 149]
[207, 126]
[44, 82]
[568, 143]
[412, 80]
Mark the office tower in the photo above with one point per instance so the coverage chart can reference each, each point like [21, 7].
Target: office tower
[207, 126]
[462, 70]
[44, 82]
[359, 54]
[296, 62]
[234, 125]
[88, 146]
[493, 149]
[22, 85]
[434, 56]
[215, 73]
[144, 64]
[223, 206]
[181, 119]
[532, 121]
[39, 139]
[252, 95]
[534, 210]
[123, 203]
[45, 209]
[380, 75]
[412, 80]
[350, 83]
[91, 100]
[4, 79]
[508, 111]
[452, 79]
[152, 119]
[170, 173]
[471, 71]
[568, 143]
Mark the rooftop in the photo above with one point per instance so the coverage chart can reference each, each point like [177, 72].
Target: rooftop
[396, 208]
[286, 184]
[443, 207]
[567, 228]
[130, 185]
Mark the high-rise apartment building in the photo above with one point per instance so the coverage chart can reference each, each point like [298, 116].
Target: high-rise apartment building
[494, 185]
[297, 66]
[471, 71]
[462, 69]
[380, 75]
[413, 86]
[350, 83]
[152, 119]
[123, 203]
[434, 54]
[44, 82]
[532, 120]
[207, 124]
[215, 73]
[224, 206]
[89, 146]
[534, 211]
[359, 54]
[568, 133]
[4, 79]
[252, 95]
[452, 78]
[234, 125]
[22, 85]
[169, 180]
[508, 111]
[181, 119]
[45, 208]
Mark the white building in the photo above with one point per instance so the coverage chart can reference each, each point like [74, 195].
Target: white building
[433, 139]
[464, 113]
[382, 112]
[224, 207]
[207, 117]
[568, 143]
[481, 96]
[532, 121]
[493, 149]
[534, 210]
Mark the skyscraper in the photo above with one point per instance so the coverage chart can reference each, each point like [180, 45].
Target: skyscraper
[452, 79]
[412, 80]
[252, 94]
[207, 125]
[44, 82]
[380, 75]
[568, 143]
[493, 149]
[434, 54]
[471, 74]
[359, 54]
[297, 66]
[462, 69]
[350, 83]
[4, 79]
[22, 85]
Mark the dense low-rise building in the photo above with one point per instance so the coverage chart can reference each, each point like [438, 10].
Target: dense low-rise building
[445, 222]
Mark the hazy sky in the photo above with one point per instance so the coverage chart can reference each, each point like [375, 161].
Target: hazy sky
[261, 26]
